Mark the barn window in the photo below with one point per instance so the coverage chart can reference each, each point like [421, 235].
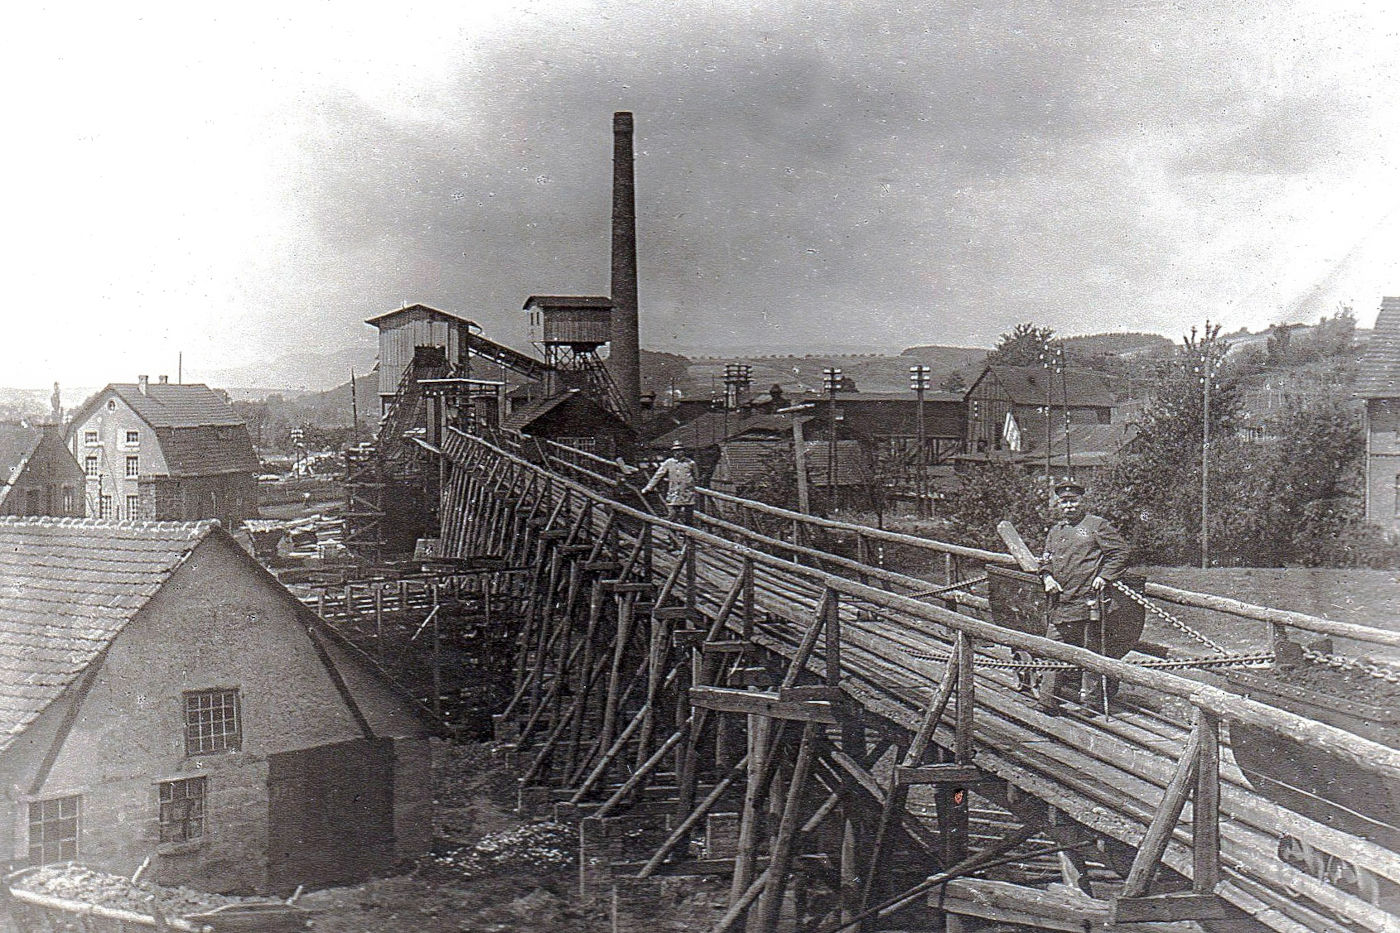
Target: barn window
[182, 810]
[133, 437]
[212, 722]
[53, 830]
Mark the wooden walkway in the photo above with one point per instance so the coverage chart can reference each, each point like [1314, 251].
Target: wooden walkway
[839, 732]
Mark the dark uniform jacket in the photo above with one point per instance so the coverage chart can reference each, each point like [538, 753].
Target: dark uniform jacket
[1075, 554]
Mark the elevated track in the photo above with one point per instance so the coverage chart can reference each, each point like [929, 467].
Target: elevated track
[851, 740]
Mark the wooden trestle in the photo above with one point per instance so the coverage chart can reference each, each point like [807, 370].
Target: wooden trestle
[673, 680]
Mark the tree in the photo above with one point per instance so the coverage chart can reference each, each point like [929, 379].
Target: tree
[954, 382]
[992, 492]
[1154, 491]
[1021, 346]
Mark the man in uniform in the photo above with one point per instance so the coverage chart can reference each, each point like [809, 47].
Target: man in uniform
[678, 470]
[1084, 554]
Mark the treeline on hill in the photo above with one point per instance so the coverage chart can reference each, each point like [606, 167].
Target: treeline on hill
[1282, 489]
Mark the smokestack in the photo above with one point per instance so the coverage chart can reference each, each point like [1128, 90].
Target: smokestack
[624, 358]
[143, 383]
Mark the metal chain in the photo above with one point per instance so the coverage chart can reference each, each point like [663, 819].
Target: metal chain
[1372, 669]
[940, 590]
[1238, 660]
[1170, 619]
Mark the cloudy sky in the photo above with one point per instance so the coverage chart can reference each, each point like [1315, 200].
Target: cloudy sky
[249, 183]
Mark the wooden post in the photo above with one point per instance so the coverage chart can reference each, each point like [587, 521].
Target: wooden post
[758, 733]
[437, 659]
[379, 619]
[781, 859]
[1205, 819]
[1159, 832]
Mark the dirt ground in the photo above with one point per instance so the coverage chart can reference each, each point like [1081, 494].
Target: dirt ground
[488, 872]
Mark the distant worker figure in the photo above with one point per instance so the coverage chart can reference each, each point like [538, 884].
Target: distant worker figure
[678, 470]
[1084, 555]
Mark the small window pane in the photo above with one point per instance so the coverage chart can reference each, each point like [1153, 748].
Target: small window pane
[133, 437]
[212, 722]
[182, 810]
[53, 830]
[133, 466]
[90, 466]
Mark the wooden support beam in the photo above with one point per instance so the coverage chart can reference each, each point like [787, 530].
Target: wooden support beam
[1205, 808]
[695, 816]
[781, 859]
[1166, 908]
[728, 700]
[1164, 821]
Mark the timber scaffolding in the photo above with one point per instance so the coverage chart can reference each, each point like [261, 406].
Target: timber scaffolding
[848, 738]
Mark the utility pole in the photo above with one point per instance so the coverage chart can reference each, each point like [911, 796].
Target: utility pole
[919, 377]
[831, 381]
[354, 411]
[1045, 361]
[1206, 369]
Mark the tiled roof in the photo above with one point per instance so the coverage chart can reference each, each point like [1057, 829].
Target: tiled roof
[17, 441]
[1026, 386]
[67, 589]
[1378, 375]
[207, 451]
[743, 462]
[706, 430]
[166, 405]
[850, 463]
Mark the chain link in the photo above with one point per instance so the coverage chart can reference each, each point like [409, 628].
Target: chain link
[1237, 660]
[940, 590]
[1370, 668]
[1170, 619]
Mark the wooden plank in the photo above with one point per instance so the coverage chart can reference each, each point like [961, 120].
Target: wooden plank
[961, 775]
[1165, 908]
[1017, 546]
[1164, 821]
[729, 700]
[813, 692]
[729, 646]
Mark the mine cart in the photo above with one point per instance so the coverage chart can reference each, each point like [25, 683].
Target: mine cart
[70, 897]
[1308, 779]
[1018, 602]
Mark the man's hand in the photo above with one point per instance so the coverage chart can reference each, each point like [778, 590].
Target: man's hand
[1052, 585]
[1099, 584]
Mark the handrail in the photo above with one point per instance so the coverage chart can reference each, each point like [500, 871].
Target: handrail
[874, 534]
[1369, 755]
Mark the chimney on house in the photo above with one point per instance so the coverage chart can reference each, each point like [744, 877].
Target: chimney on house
[144, 384]
[624, 357]
[165, 380]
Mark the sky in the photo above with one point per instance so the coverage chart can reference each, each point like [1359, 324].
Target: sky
[242, 187]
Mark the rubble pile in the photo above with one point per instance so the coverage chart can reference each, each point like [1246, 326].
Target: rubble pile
[76, 883]
[531, 847]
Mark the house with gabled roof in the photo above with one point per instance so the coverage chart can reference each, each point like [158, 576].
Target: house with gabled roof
[162, 451]
[1006, 404]
[1378, 383]
[38, 475]
[164, 697]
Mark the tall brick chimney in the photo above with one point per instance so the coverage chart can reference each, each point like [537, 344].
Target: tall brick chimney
[624, 358]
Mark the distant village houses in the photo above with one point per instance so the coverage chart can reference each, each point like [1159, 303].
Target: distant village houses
[162, 451]
[163, 696]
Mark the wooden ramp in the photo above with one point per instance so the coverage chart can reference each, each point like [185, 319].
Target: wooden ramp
[848, 744]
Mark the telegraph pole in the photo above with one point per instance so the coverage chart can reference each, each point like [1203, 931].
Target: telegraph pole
[831, 381]
[1206, 377]
[919, 381]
